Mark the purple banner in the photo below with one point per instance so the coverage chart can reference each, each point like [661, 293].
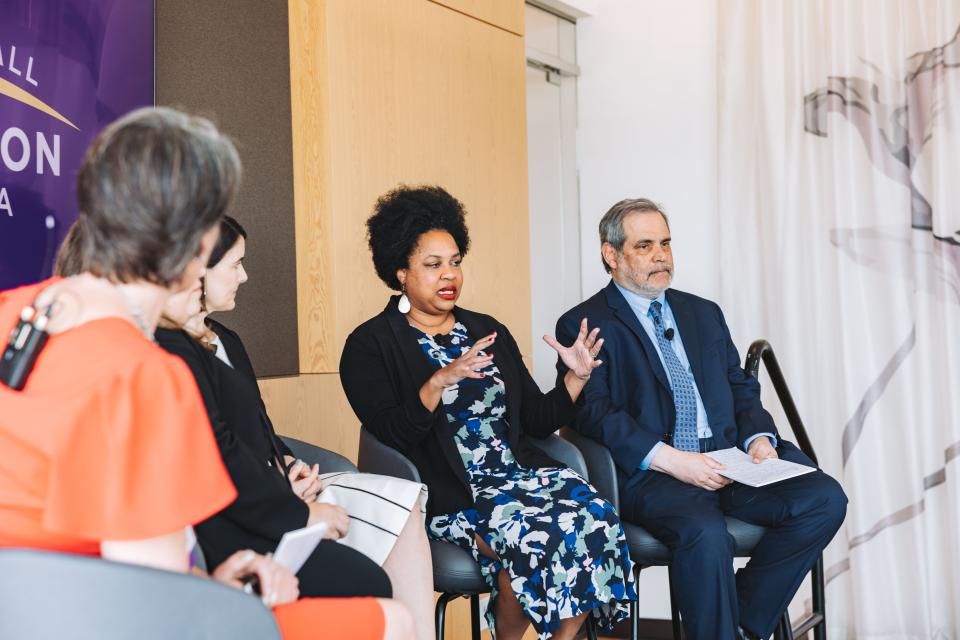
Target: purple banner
[67, 69]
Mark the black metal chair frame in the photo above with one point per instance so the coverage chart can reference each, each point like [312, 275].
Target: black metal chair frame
[603, 477]
[441, 611]
[760, 350]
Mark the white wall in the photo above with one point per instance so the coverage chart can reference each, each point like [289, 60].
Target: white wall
[648, 128]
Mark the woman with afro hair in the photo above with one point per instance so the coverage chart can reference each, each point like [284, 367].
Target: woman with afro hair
[447, 388]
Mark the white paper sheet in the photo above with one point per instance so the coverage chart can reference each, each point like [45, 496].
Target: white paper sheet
[296, 546]
[741, 468]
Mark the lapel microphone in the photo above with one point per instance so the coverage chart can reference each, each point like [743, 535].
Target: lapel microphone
[26, 342]
[668, 334]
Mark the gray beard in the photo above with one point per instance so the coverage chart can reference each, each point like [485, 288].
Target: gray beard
[649, 292]
[643, 289]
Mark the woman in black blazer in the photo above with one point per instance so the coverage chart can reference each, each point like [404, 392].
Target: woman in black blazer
[266, 506]
[277, 493]
[447, 388]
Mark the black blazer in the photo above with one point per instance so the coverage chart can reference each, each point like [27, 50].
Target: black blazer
[266, 506]
[234, 347]
[382, 369]
[240, 359]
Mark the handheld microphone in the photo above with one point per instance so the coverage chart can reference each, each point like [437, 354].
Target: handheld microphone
[668, 334]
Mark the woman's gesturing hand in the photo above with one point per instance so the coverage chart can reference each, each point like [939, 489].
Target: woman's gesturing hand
[468, 365]
[580, 357]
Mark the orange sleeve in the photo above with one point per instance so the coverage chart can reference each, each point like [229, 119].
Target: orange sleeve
[331, 619]
[142, 461]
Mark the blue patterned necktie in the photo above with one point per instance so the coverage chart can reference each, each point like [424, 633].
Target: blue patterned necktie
[681, 383]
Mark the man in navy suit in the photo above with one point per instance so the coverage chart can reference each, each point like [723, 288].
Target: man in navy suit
[671, 388]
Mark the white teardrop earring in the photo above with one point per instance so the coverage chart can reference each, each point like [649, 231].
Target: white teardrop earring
[403, 306]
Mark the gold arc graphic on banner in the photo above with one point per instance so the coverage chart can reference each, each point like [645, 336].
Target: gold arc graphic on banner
[7, 88]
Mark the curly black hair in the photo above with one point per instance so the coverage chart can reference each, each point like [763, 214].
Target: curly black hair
[404, 214]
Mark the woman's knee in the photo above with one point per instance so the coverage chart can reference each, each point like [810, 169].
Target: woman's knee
[484, 548]
[377, 581]
[398, 623]
[335, 570]
[414, 530]
[415, 522]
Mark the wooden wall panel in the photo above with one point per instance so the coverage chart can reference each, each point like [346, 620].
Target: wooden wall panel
[312, 407]
[310, 117]
[505, 14]
[403, 91]
[391, 91]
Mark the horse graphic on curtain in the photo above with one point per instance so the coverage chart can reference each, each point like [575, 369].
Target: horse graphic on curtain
[839, 192]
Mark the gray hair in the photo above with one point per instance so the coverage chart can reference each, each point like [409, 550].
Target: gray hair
[69, 260]
[611, 224]
[150, 186]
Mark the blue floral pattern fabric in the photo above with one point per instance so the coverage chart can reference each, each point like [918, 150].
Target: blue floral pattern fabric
[561, 544]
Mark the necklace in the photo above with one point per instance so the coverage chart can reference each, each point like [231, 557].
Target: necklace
[136, 313]
[431, 329]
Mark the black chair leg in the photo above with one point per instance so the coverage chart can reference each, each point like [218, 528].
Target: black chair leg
[591, 625]
[819, 599]
[475, 616]
[784, 629]
[635, 607]
[441, 611]
[674, 611]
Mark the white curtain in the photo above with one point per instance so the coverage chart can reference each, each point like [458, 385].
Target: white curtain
[839, 202]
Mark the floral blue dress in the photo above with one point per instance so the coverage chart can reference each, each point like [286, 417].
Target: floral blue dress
[561, 544]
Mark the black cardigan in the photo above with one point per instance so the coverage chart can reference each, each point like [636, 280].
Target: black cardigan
[382, 369]
[266, 507]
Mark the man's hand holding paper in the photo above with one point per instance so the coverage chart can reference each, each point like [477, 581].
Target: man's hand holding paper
[744, 468]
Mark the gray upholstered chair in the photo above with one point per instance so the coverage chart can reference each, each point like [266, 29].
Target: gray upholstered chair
[54, 595]
[455, 574]
[329, 461]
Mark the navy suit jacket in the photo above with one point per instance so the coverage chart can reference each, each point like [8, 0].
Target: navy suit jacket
[627, 404]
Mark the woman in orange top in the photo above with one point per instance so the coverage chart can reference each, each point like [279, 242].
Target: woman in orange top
[105, 415]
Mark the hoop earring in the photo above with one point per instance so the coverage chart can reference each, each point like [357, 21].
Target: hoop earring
[403, 306]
